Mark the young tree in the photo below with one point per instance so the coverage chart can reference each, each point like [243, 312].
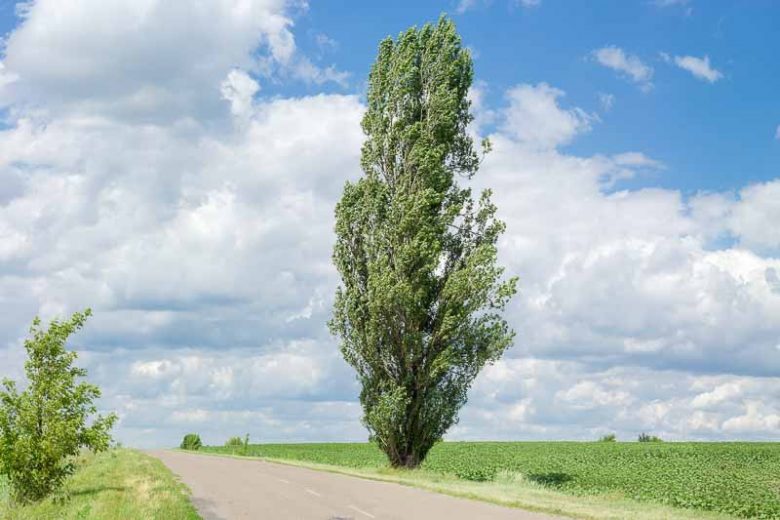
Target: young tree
[43, 427]
[419, 310]
[191, 441]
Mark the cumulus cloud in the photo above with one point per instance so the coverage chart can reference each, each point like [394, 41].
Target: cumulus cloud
[629, 65]
[105, 58]
[621, 276]
[758, 416]
[239, 89]
[534, 117]
[157, 185]
[541, 399]
[699, 67]
[753, 219]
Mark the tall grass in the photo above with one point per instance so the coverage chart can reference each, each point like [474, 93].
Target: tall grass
[119, 484]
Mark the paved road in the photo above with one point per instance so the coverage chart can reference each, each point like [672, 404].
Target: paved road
[229, 489]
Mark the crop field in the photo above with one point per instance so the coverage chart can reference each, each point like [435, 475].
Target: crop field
[739, 479]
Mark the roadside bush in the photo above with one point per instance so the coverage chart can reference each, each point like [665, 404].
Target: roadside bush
[644, 437]
[237, 445]
[234, 442]
[610, 437]
[44, 427]
[191, 441]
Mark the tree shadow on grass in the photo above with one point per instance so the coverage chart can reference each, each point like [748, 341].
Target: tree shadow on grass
[553, 479]
[95, 490]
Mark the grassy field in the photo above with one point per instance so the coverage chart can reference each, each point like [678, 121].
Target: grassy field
[735, 479]
[116, 485]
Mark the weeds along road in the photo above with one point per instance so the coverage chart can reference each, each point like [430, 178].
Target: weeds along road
[227, 489]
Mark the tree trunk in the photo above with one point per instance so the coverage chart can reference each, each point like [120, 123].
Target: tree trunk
[404, 457]
[411, 461]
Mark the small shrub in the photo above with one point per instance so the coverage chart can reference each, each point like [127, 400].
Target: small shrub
[234, 442]
[45, 426]
[191, 441]
[610, 437]
[644, 437]
[238, 445]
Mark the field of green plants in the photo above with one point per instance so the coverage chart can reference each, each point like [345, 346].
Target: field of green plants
[740, 479]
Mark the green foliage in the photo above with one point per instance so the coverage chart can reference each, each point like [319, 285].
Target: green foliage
[739, 478]
[419, 310]
[43, 427]
[238, 444]
[644, 437]
[191, 441]
[610, 437]
[234, 442]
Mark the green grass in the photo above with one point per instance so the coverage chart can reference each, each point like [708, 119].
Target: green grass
[736, 479]
[119, 484]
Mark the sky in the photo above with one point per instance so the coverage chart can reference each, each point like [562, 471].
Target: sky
[174, 166]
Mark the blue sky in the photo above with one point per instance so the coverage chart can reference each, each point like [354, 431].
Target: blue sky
[713, 137]
[175, 165]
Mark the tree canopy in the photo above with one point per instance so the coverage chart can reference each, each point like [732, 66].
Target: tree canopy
[419, 312]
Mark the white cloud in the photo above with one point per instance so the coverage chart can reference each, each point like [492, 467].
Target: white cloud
[725, 392]
[534, 117]
[699, 67]
[757, 417]
[105, 57]
[777, 133]
[753, 219]
[191, 416]
[304, 69]
[629, 65]
[239, 89]
[533, 398]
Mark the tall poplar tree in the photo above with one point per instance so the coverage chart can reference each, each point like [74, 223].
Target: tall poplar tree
[419, 310]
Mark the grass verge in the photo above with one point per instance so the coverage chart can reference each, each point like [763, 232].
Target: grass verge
[119, 484]
[512, 490]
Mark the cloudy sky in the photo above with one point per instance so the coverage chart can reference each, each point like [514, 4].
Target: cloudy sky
[174, 166]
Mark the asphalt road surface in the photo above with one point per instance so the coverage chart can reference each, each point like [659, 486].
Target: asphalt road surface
[228, 489]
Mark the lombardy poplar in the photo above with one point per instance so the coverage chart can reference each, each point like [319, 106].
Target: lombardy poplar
[419, 309]
[45, 426]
